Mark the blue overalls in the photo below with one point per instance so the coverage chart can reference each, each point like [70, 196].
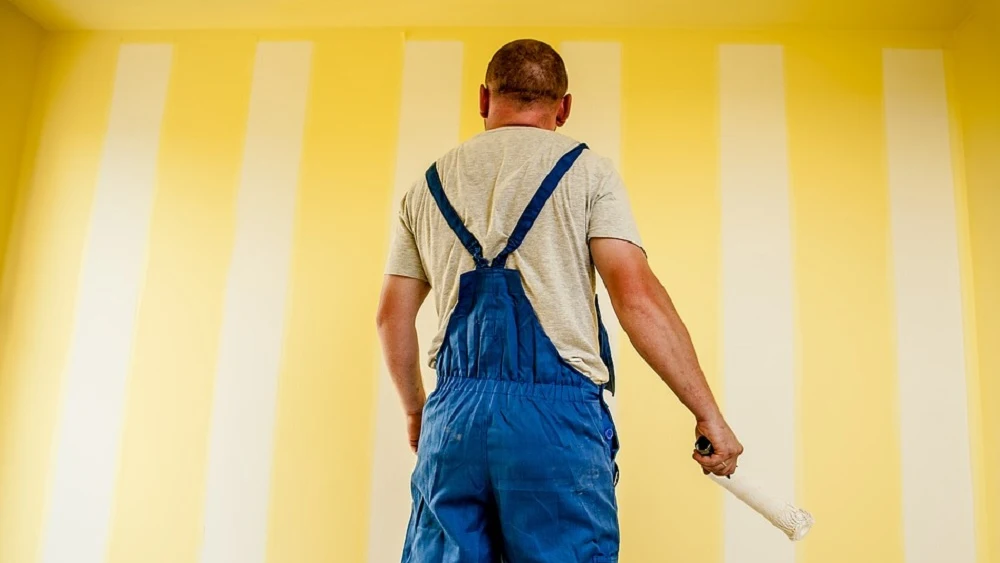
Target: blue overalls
[517, 450]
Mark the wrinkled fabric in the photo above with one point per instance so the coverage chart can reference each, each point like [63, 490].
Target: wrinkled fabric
[490, 180]
[517, 450]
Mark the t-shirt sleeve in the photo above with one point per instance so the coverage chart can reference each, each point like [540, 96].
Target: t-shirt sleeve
[611, 212]
[404, 255]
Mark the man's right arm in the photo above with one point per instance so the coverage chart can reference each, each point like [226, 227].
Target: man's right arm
[648, 316]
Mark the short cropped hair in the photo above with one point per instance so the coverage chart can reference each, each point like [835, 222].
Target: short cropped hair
[527, 71]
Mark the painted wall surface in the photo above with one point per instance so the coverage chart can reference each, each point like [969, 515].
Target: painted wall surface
[976, 60]
[20, 44]
[68, 15]
[191, 372]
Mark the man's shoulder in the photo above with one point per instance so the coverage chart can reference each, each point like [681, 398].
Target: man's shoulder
[596, 161]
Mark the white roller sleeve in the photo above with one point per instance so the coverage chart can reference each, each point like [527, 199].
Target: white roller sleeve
[785, 516]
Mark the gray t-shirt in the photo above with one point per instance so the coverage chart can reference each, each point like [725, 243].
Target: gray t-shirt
[489, 180]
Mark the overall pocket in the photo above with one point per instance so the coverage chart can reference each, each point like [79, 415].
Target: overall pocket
[610, 435]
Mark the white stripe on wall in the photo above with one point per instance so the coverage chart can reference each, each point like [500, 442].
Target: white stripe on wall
[757, 289]
[89, 433]
[428, 128]
[243, 409]
[937, 475]
[595, 80]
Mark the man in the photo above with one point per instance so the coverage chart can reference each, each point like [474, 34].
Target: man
[516, 447]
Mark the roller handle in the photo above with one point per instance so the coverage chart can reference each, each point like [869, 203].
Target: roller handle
[704, 447]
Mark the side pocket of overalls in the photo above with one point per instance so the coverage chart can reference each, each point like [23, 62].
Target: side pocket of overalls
[610, 433]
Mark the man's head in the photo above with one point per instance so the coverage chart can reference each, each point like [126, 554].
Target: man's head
[526, 85]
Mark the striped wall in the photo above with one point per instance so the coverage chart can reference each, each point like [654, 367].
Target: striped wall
[241, 437]
[844, 303]
[191, 372]
[95, 375]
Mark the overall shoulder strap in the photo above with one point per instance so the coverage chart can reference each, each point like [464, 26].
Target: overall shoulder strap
[545, 190]
[451, 217]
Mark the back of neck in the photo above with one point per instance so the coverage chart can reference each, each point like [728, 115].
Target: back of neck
[502, 117]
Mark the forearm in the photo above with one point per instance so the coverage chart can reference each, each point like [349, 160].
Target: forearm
[402, 357]
[658, 334]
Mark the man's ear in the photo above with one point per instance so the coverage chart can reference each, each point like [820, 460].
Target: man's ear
[562, 114]
[484, 101]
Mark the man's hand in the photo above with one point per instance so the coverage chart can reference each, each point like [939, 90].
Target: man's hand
[727, 449]
[413, 422]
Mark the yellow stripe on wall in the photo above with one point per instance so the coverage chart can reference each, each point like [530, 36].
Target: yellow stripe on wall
[67, 132]
[88, 435]
[21, 44]
[976, 89]
[974, 396]
[161, 484]
[241, 440]
[322, 479]
[670, 160]
[428, 127]
[843, 298]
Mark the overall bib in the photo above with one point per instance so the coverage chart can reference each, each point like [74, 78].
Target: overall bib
[517, 450]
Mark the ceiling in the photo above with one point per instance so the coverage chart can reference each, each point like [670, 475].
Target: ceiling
[283, 14]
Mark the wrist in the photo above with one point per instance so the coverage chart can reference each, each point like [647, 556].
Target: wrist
[416, 408]
[413, 400]
[709, 416]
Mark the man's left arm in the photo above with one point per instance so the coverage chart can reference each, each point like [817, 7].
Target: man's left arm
[397, 329]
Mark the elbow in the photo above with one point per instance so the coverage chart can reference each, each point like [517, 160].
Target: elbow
[637, 293]
[399, 304]
[383, 317]
[392, 318]
[636, 300]
[633, 305]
